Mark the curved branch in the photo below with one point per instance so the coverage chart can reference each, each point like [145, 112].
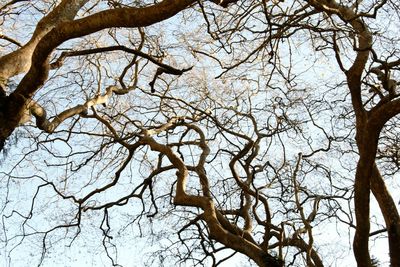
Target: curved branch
[20, 60]
[168, 69]
[120, 17]
[48, 126]
[11, 40]
[302, 246]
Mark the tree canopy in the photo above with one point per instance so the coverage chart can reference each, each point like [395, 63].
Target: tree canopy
[264, 131]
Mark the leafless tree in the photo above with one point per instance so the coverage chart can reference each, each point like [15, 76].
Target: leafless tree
[215, 128]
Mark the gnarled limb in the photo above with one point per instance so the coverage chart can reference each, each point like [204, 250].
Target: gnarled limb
[220, 228]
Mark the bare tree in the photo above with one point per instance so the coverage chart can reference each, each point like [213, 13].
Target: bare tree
[248, 128]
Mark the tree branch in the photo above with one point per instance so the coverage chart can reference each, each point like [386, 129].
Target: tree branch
[49, 126]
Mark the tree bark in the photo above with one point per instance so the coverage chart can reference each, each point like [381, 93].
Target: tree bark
[390, 214]
[35, 55]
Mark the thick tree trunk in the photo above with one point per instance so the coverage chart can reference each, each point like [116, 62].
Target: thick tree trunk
[12, 112]
[390, 214]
